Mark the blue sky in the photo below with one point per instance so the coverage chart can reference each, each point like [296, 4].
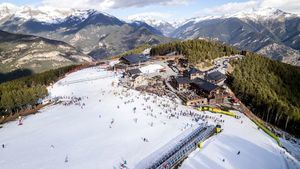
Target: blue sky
[166, 9]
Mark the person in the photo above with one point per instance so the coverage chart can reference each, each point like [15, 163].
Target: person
[238, 153]
[3, 145]
[66, 159]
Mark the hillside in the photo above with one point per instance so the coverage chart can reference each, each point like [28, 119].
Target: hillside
[35, 53]
[256, 31]
[271, 89]
[85, 130]
[195, 51]
[23, 93]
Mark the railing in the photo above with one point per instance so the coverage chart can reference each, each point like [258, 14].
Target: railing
[179, 151]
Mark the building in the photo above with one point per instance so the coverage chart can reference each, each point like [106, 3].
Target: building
[205, 88]
[194, 73]
[215, 77]
[134, 59]
[138, 81]
[182, 83]
[133, 72]
[191, 99]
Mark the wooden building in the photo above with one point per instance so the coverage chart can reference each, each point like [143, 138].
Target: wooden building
[182, 83]
[191, 99]
[205, 88]
[194, 73]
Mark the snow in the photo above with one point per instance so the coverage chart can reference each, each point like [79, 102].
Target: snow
[257, 150]
[95, 133]
[259, 14]
[153, 68]
[151, 20]
[44, 13]
[81, 135]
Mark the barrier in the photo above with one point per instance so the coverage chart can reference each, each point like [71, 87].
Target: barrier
[177, 152]
[219, 111]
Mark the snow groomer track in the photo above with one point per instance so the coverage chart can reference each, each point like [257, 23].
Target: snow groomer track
[177, 149]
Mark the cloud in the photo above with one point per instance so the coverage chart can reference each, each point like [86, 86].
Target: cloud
[110, 4]
[292, 6]
[230, 8]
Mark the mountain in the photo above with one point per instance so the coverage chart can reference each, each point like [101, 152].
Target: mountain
[268, 31]
[35, 53]
[163, 26]
[95, 33]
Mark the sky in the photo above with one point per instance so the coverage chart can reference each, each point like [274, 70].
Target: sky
[170, 10]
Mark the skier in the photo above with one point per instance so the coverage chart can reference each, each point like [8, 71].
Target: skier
[20, 121]
[66, 159]
[238, 153]
[3, 145]
[112, 121]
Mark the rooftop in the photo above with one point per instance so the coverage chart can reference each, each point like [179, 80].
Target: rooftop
[205, 85]
[182, 80]
[135, 58]
[216, 76]
[193, 71]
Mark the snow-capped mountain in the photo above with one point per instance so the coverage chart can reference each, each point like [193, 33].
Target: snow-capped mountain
[163, 26]
[251, 30]
[42, 14]
[93, 32]
[253, 14]
[262, 14]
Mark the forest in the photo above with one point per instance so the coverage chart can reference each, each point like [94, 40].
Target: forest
[23, 93]
[195, 51]
[270, 88]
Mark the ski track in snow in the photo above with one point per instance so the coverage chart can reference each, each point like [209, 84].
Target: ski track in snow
[82, 134]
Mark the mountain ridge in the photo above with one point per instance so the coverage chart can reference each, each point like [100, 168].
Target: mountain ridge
[38, 54]
[246, 33]
[93, 32]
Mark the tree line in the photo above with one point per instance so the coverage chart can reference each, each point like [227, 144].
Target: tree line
[23, 93]
[270, 88]
[195, 51]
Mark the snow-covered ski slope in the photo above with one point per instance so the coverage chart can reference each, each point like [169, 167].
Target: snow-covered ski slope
[107, 125]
